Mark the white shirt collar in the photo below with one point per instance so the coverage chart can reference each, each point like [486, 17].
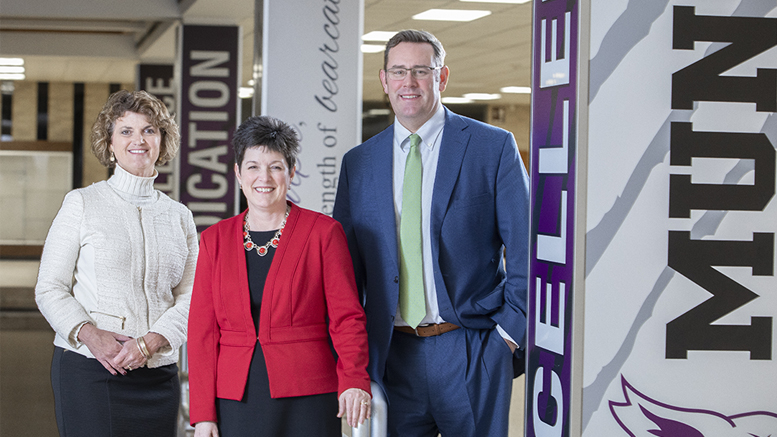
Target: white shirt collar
[429, 132]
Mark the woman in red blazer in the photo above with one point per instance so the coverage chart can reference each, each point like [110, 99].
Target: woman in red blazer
[282, 276]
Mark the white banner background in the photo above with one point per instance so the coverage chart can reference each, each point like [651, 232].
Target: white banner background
[312, 79]
[630, 292]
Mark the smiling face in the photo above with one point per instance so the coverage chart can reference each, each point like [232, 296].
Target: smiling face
[135, 143]
[264, 176]
[414, 101]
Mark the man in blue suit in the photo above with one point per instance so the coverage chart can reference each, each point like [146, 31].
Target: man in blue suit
[436, 210]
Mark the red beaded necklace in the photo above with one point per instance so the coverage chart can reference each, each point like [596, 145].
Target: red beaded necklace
[274, 241]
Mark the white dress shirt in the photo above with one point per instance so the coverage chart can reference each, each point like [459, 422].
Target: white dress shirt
[431, 136]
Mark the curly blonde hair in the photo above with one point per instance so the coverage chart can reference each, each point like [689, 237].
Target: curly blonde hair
[139, 102]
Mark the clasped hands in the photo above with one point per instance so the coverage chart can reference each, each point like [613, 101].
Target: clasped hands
[116, 352]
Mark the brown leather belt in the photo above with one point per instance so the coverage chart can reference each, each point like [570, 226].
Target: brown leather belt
[427, 330]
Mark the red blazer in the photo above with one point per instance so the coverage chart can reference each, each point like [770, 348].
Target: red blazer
[309, 297]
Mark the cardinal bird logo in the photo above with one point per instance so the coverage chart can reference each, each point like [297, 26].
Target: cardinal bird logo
[641, 416]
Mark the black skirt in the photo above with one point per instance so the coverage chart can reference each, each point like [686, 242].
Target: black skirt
[89, 401]
[257, 414]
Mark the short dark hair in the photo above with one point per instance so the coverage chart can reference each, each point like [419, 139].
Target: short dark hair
[139, 102]
[412, 35]
[266, 131]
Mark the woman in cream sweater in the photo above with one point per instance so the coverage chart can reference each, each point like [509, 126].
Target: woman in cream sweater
[115, 282]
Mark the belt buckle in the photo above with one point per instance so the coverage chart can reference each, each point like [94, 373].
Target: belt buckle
[416, 331]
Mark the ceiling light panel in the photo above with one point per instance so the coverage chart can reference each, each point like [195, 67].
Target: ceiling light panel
[6, 69]
[11, 61]
[482, 96]
[372, 48]
[11, 76]
[516, 89]
[514, 2]
[378, 35]
[454, 100]
[451, 15]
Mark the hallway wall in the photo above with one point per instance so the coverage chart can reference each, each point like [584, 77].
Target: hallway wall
[26, 400]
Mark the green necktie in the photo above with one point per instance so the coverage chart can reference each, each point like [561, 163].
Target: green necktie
[412, 300]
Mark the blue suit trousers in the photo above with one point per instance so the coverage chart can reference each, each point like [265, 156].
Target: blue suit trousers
[457, 384]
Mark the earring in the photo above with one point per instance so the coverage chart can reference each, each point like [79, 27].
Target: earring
[112, 158]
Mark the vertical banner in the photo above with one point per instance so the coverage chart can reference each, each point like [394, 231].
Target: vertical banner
[553, 194]
[157, 80]
[312, 80]
[680, 288]
[208, 116]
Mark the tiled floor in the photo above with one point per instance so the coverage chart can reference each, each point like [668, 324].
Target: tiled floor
[26, 399]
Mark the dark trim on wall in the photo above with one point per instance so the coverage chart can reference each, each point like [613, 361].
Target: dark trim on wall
[43, 111]
[5, 130]
[14, 251]
[78, 135]
[17, 299]
[37, 146]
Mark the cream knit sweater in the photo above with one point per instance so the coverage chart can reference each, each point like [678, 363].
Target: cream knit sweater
[119, 255]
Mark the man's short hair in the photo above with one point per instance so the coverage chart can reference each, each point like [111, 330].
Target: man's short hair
[412, 35]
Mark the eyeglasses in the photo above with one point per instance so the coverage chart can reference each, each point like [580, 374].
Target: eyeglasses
[419, 73]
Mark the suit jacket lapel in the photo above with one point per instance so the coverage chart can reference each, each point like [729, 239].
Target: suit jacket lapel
[382, 157]
[452, 147]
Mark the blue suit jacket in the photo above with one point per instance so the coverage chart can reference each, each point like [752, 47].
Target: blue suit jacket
[480, 205]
